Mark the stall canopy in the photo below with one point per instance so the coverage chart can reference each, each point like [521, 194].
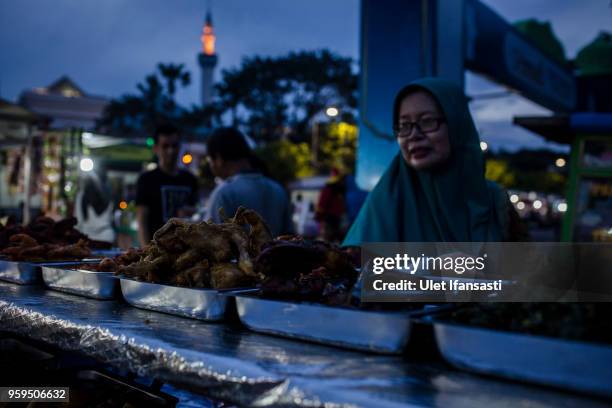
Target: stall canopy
[117, 149]
[564, 128]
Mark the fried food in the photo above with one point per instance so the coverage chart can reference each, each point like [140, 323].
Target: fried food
[208, 239]
[228, 275]
[202, 255]
[75, 251]
[108, 265]
[25, 248]
[299, 269]
[198, 276]
[45, 239]
[259, 233]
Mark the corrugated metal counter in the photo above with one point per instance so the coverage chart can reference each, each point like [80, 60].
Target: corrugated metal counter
[232, 364]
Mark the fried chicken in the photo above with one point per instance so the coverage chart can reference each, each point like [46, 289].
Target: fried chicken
[44, 231]
[75, 251]
[259, 233]
[204, 254]
[228, 275]
[198, 276]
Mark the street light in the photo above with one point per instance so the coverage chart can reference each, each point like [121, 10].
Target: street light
[86, 164]
[560, 162]
[484, 146]
[187, 158]
[537, 204]
[332, 111]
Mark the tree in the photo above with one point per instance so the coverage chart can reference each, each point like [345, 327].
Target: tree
[498, 171]
[338, 147]
[527, 170]
[285, 160]
[276, 97]
[155, 103]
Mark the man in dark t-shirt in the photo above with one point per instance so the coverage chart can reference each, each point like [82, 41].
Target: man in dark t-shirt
[165, 192]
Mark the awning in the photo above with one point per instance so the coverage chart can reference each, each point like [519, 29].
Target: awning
[564, 128]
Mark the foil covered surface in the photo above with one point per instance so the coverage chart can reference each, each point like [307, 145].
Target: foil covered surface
[229, 363]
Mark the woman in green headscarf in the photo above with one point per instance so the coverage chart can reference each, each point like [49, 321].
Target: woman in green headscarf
[434, 189]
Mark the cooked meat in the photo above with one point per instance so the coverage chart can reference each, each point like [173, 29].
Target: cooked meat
[227, 275]
[201, 254]
[310, 270]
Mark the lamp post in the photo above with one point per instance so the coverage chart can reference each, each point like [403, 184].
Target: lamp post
[331, 112]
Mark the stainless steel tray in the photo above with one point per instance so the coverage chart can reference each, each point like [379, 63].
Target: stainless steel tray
[202, 304]
[96, 285]
[23, 273]
[379, 332]
[579, 366]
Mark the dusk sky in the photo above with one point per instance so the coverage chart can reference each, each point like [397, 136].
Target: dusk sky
[108, 46]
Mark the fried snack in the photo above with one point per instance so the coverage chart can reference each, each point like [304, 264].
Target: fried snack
[36, 253]
[228, 275]
[188, 258]
[23, 241]
[305, 270]
[75, 251]
[198, 276]
[204, 254]
[108, 265]
[45, 231]
[259, 233]
[208, 239]
[128, 257]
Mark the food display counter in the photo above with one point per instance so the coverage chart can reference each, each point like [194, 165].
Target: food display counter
[227, 362]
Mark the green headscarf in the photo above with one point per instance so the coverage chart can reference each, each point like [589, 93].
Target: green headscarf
[453, 203]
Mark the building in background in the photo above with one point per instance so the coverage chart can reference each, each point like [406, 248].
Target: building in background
[18, 174]
[68, 111]
[65, 104]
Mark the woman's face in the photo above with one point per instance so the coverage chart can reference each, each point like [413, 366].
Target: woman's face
[426, 145]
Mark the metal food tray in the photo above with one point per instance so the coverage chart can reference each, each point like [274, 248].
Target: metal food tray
[96, 285]
[196, 303]
[578, 366]
[22, 273]
[379, 332]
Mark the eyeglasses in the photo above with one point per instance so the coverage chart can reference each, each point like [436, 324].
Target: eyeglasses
[424, 125]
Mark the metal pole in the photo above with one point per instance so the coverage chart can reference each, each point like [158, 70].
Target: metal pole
[27, 170]
[315, 145]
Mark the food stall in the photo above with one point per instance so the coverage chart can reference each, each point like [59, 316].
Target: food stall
[225, 312]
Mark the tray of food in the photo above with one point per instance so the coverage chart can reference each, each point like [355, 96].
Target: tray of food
[386, 332]
[71, 278]
[567, 345]
[187, 266]
[196, 303]
[307, 292]
[23, 273]
[45, 239]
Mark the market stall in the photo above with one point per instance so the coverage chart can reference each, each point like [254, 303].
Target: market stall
[228, 362]
[225, 311]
